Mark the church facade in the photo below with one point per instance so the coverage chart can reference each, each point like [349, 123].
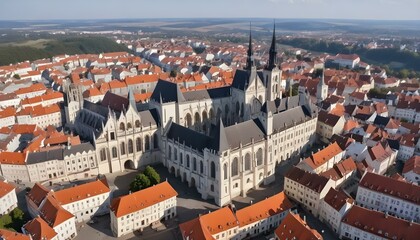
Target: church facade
[223, 142]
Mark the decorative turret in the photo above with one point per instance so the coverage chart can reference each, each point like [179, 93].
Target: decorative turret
[322, 89]
[272, 59]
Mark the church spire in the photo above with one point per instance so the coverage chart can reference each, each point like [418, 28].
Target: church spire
[272, 59]
[250, 58]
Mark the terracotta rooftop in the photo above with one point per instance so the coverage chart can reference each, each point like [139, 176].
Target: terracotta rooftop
[294, 227]
[412, 164]
[82, 191]
[381, 224]
[5, 188]
[37, 193]
[142, 199]
[53, 213]
[264, 209]
[209, 224]
[392, 187]
[12, 158]
[12, 235]
[39, 229]
[323, 156]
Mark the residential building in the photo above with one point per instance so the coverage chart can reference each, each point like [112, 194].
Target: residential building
[380, 157]
[323, 160]
[329, 124]
[294, 227]
[142, 208]
[39, 229]
[8, 199]
[411, 170]
[364, 224]
[333, 208]
[12, 235]
[306, 188]
[381, 193]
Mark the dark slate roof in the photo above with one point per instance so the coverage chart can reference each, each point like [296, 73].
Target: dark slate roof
[242, 78]
[287, 118]
[93, 107]
[212, 93]
[280, 105]
[381, 121]
[115, 102]
[219, 139]
[168, 91]
[147, 118]
[243, 133]
[189, 137]
[328, 118]
[83, 147]
[38, 157]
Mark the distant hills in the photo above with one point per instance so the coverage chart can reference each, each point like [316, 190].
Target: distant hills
[12, 53]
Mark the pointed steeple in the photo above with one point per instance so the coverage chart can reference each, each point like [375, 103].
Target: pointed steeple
[322, 80]
[132, 99]
[272, 59]
[221, 141]
[250, 58]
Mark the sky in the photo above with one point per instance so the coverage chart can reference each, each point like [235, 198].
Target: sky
[115, 9]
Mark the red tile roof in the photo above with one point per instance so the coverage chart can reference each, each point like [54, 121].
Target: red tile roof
[264, 209]
[12, 235]
[310, 180]
[37, 193]
[294, 227]
[81, 192]
[392, 187]
[142, 199]
[5, 188]
[39, 229]
[323, 156]
[337, 199]
[381, 224]
[12, 158]
[412, 164]
[53, 213]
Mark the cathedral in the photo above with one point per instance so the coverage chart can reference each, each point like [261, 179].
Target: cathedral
[223, 142]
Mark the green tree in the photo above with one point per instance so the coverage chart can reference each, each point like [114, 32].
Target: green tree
[173, 73]
[152, 175]
[17, 214]
[16, 76]
[5, 221]
[141, 181]
[404, 73]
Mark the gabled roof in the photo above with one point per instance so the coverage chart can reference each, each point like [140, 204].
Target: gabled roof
[39, 229]
[142, 199]
[53, 213]
[337, 199]
[5, 188]
[381, 224]
[412, 164]
[12, 235]
[264, 209]
[82, 191]
[402, 190]
[327, 118]
[310, 180]
[37, 193]
[321, 157]
[294, 227]
[167, 92]
[210, 224]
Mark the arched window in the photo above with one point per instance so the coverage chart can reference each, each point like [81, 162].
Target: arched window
[155, 141]
[147, 143]
[137, 123]
[211, 113]
[237, 108]
[201, 167]
[235, 167]
[247, 162]
[130, 146]
[194, 164]
[129, 126]
[259, 157]
[188, 120]
[188, 161]
[114, 152]
[138, 145]
[175, 154]
[225, 170]
[122, 126]
[103, 154]
[169, 152]
[213, 170]
[243, 109]
[122, 148]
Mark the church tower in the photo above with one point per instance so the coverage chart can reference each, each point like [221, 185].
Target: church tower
[271, 72]
[250, 63]
[321, 89]
[74, 102]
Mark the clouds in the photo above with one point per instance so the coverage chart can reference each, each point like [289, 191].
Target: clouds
[94, 9]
